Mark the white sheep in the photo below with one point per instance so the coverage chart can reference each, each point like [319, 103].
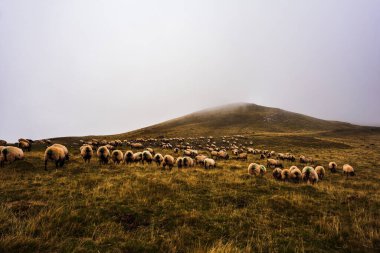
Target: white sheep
[320, 170]
[273, 163]
[188, 162]
[285, 175]
[295, 174]
[309, 175]
[348, 170]
[128, 157]
[209, 163]
[333, 167]
[67, 156]
[86, 152]
[256, 169]
[179, 162]
[10, 154]
[158, 159]
[277, 173]
[55, 154]
[137, 157]
[147, 157]
[103, 154]
[168, 161]
[117, 156]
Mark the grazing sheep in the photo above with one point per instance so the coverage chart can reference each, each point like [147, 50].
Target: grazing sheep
[3, 143]
[117, 156]
[103, 154]
[137, 145]
[223, 154]
[188, 162]
[55, 154]
[262, 157]
[128, 157]
[67, 157]
[209, 163]
[158, 159]
[348, 170]
[285, 175]
[277, 173]
[272, 163]
[309, 175]
[137, 157]
[179, 162]
[242, 156]
[199, 159]
[25, 145]
[10, 154]
[295, 174]
[86, 152]
[320, 170]
[146, 157]
[214, 154]
[151, 151]
[168, 161]
[256, 169]
[303, 159]
[333, 167]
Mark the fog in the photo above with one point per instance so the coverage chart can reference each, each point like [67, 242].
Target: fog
[105, 67]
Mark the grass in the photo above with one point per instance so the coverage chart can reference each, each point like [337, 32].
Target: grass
[140, 208]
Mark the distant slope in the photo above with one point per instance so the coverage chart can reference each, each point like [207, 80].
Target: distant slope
[242, 118]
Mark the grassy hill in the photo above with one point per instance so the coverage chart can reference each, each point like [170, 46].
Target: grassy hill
[242, 118]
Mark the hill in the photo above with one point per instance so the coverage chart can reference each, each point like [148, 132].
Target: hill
[241, 118]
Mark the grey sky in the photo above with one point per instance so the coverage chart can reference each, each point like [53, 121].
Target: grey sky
[79, 67]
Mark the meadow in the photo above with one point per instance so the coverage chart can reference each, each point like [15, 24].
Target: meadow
[142, 208]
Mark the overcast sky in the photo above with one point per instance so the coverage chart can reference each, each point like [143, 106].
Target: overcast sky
[79, 67]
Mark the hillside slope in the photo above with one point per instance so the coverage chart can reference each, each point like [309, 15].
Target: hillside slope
[242, 118]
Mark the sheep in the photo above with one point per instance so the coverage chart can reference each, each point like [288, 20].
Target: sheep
[272, 163]
[146, 157]
[209, 163]
[128, 157]
[137, 157]
[188, 162]
[309, 175]
[320, 170]
[67, 157]
[25, 145]
[137, 145]
[303, 159]
[348, 170]
[179, 162]
[158, 159]
[151, 151]
[10, 154]
[168, 161]
[214, 154]
[3, 143]
[56, 154]
[117, 156]
[256, 169]
[223, 154]
[295, 174]
[277, 173]
[103, 154]
[199, 159]
[242, 156]
[333, 167]
[86, 152]
[285, 175]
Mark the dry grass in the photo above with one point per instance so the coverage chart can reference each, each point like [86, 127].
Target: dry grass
[92, 208]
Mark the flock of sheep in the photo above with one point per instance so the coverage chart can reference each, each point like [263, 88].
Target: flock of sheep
[107, 151]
